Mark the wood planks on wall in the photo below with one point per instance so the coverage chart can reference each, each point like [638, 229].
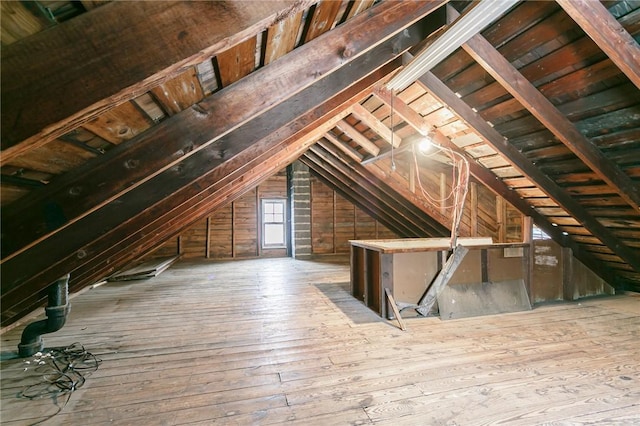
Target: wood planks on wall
[232, 230]
[335, 221]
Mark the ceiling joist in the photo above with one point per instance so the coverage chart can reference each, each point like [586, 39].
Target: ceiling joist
[110, 77]
[607, 33]
[541, 108]
[528, 169]
[133, 162]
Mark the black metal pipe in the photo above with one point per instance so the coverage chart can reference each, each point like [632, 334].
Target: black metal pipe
[56, 311]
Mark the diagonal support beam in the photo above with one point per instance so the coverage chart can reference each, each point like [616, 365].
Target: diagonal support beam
[540, 107]
[485, 176]
[43, 97]
[171, 198]
[359, 138]
[494, 139]
[607, 33]
[164, 146]
[352, 153]
[376, 125]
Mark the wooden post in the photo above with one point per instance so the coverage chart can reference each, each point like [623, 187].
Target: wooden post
[473, 194]
[445, 274]
[258, 223]
[527, 229]
[207, 239]
[233, 229]
[443, 193]
[500, 219]
[334, 223]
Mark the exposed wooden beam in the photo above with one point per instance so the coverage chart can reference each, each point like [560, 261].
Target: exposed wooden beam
[403, 110]
[595, 20]
[372, 194]
[540, 107]
[337, 183]
[362, 177]
[494, 139]
[376, 125]
[358, 137]
[47, 91]
[173, 197]
[134, 162]
[355, 155]
[222, 185]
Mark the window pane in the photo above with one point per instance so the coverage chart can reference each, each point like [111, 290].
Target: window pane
[278, 208]
[273, 234]
[278, 218]
[268, 207]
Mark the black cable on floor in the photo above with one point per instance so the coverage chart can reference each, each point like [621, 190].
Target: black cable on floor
[63, 371]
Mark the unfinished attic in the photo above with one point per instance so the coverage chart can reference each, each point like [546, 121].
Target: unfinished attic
[320, 212]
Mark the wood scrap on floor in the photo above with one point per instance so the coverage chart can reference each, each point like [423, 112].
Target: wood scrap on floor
[394, 308]
[149, 269]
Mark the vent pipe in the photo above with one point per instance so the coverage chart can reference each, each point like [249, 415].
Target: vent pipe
[56, 311]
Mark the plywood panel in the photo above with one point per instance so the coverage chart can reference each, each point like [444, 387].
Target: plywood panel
[585, 283]
[469, 271]
[412, 274]
[506, 264]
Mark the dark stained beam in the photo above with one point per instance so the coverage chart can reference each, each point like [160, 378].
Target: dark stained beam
[397, 214]
[226, 182]
[540, 107]
[58, 79]
[161, 202]
[607, 33]
[162, 147]
[369, 205]
[359, 178]
[494, 139]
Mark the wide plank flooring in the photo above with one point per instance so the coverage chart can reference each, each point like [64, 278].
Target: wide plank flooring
[270, 341]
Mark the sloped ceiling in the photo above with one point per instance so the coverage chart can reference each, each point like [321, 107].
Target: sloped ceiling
[122, 124]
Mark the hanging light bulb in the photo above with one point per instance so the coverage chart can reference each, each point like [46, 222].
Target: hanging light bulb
[425, 145]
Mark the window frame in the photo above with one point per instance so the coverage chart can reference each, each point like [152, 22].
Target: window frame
[264, 223]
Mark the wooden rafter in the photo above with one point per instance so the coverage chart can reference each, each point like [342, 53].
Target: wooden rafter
[355, 155]
[607, 33]
[540, 107]
[387, 204]
[358, 138]
[403, 110]
[134, 162]
[109, 76]
[438, 89]
[376, 125]
[488, 179]
[88, 242]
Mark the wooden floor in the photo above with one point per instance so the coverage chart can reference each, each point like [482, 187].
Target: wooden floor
[279, 340]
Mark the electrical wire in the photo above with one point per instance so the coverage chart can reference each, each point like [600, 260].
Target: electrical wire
[459, 188]
[63, 371]
[393, 163]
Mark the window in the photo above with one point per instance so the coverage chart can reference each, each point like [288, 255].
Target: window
[274, 223]
[539, 234]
